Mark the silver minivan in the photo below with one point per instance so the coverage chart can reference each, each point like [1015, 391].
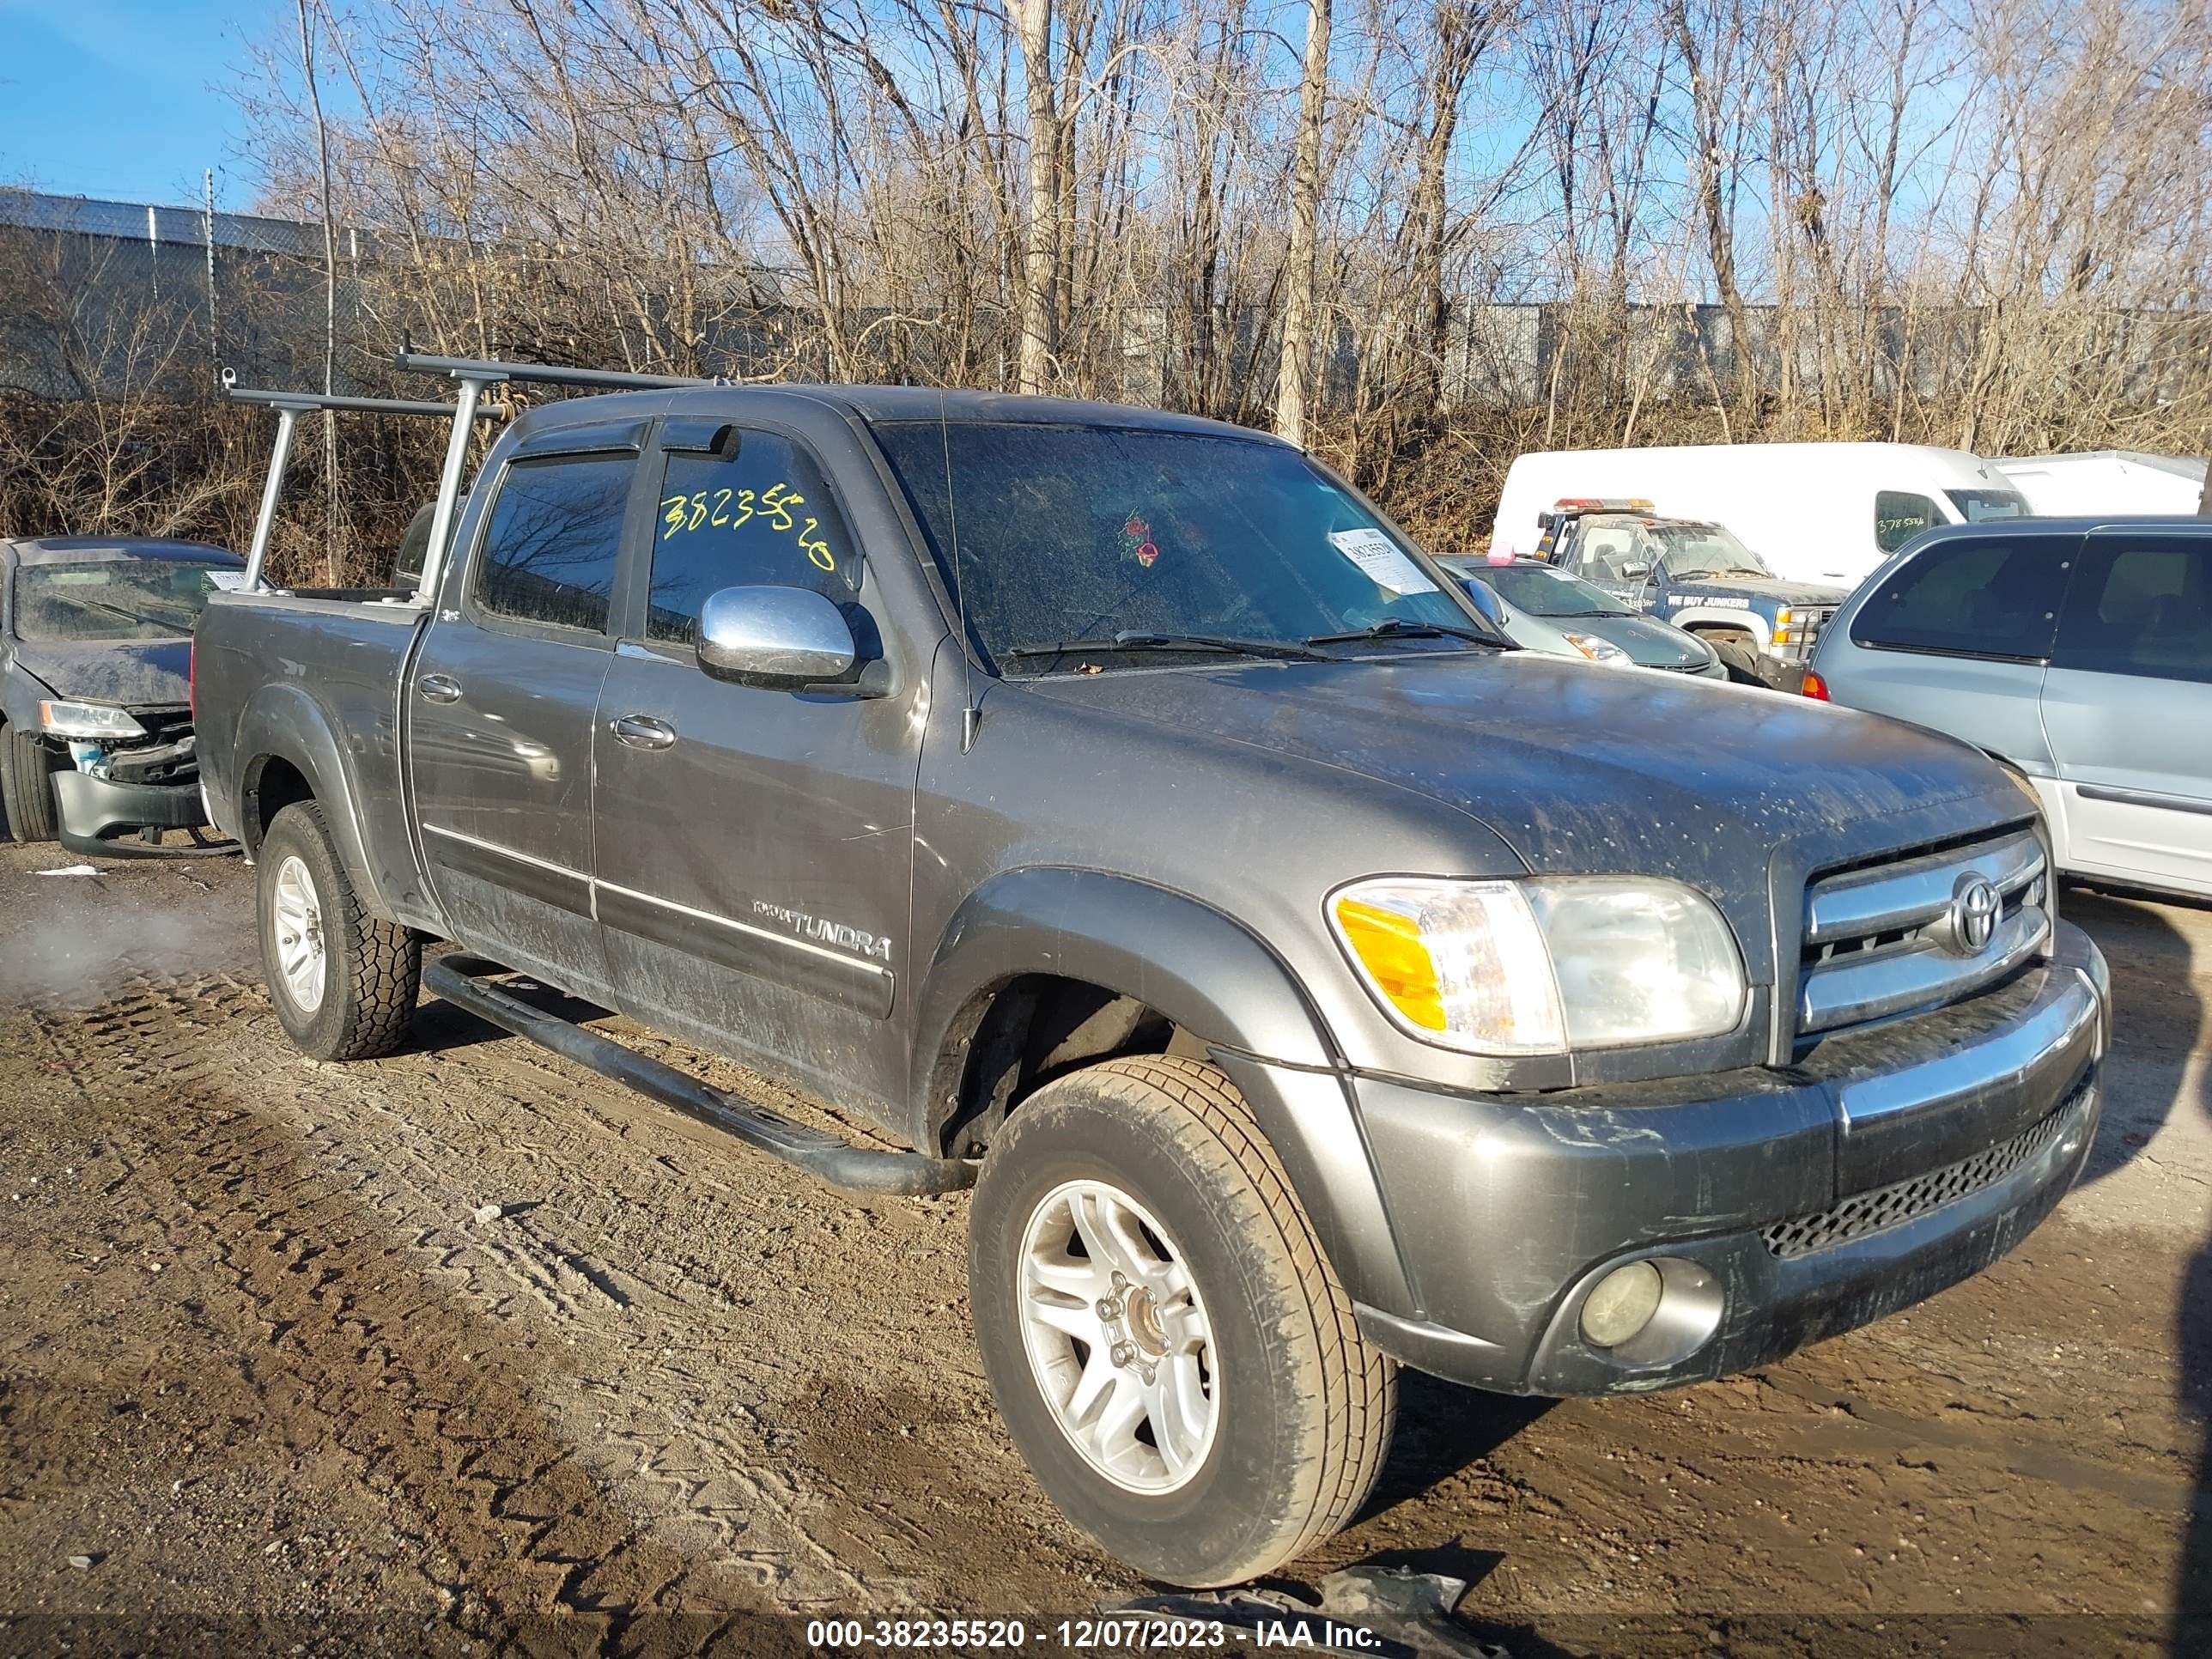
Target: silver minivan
[2078, 649]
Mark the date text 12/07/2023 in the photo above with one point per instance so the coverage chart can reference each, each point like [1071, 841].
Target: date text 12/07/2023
[1129, 1634]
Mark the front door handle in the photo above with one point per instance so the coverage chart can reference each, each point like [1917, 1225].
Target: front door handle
[642, 731]
[439, 688]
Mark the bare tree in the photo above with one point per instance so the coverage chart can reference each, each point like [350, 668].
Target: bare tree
[1294, 374]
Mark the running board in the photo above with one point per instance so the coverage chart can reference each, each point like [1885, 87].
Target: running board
[458, 979]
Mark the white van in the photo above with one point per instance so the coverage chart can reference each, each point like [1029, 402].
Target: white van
[1816, 513]
[2104, 482]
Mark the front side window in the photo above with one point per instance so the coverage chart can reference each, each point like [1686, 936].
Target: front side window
[1899, 515]
[1984, 506]
[1069, 533]
[1979, 597]
[757, 513]
[2144, 609]
[555, 531]
[114, 599]
[1606, 552]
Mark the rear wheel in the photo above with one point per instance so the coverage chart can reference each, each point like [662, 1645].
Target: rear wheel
[344, 982]
[1171, 1351]
[26, 786]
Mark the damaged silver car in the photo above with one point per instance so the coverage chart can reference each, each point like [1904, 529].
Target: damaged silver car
[97, 750]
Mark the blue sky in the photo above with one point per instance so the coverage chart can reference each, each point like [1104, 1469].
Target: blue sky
[127, 99]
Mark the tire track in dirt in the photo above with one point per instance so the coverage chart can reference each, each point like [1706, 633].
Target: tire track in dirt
[331, 1207]
[366, 1341]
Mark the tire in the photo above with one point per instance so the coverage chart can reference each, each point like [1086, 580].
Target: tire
[27, 787]
[1301, 1406]
[1740, 659]
[357, 1003]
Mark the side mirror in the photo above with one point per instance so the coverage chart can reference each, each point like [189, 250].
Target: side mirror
[1484, 600]
[1633, 572]
[777, 639]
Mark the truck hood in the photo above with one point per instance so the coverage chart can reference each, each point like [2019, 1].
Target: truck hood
[1753, 587]
[136, 673]
[1581, 770]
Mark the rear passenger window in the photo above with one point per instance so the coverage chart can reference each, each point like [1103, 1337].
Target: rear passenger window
[757, 515]
[548, 554]
[2144, 609]
[1976, 597]
[1899, 515]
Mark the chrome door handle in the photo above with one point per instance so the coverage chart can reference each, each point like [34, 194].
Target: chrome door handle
[439, 688]
[642, 731]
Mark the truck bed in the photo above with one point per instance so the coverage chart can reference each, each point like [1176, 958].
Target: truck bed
[324, 668]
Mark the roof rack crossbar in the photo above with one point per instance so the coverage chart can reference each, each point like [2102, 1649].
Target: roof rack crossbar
[311, 402]
[491, 372]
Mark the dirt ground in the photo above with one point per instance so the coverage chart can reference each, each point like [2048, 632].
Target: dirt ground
[466, 1351]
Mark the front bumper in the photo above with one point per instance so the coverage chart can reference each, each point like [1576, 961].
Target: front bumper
[94, 811]
[1781, 1205]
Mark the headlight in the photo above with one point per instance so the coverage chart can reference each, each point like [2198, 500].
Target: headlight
[87, 719]
[1541, 966]
[1598, 650]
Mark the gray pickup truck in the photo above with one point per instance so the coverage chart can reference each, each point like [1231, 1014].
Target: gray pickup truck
[1117, 810]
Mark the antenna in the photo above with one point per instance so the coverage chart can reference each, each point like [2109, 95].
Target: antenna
[971, 715]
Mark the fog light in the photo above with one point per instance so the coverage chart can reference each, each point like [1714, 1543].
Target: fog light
[1621, 1305]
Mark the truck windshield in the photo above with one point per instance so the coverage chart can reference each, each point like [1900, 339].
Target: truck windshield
[1543, 590]
[113, 599]
[1706, 552]
[1980, 506]
[1080, 533]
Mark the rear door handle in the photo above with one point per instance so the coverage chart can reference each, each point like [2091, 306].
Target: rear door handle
[439, 688]
[642, 731]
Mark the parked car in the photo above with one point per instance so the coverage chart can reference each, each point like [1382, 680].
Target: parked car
[2107, 482]
[2079, 651]
[1121, 813]
[1540, 607]
[95, 639]
[1698, 576]
[1825, 513]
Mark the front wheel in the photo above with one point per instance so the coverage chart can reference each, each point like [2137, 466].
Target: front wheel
[1171, 1351]
[344, 982]
[1739, 656]
[26, 786]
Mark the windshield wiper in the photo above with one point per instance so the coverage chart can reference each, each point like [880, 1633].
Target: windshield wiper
[1405, 627]
[1137, 640]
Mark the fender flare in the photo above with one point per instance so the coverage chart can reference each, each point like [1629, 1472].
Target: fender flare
[1213, 976]
[1743, 621]
[282, 722]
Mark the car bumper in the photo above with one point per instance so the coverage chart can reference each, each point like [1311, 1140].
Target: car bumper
[1779, 1207]
[94, 810]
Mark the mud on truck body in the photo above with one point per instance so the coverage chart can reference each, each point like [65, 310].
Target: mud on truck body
[1121, 813]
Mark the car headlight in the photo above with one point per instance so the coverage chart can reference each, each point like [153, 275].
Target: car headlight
[1544, 965]
[1598, 650]
[87, 719]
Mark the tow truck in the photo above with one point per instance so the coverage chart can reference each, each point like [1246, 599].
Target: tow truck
[1697, 576]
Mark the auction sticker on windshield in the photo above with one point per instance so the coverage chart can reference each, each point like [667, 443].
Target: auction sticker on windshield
[1384, 565]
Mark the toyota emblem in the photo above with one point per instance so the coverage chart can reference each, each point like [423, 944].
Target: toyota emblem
[1975, 907]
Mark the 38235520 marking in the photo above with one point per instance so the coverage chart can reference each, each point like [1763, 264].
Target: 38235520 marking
[1121, 1635]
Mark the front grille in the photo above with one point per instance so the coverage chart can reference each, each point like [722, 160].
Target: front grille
[1807, 624]
[1867, 1213]
[166, 725]
[1878, 940]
